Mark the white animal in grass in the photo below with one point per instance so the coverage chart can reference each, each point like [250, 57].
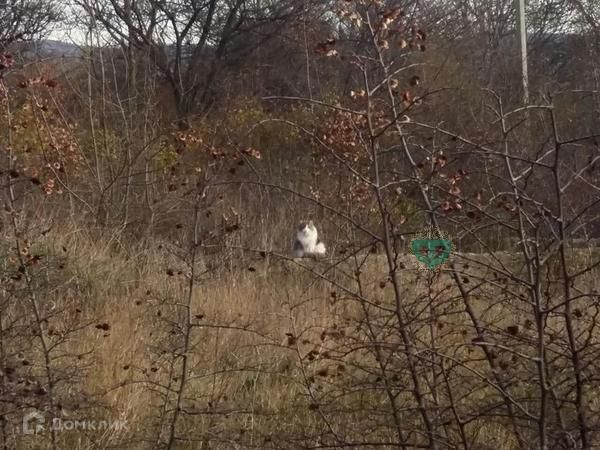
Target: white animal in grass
[307, 241]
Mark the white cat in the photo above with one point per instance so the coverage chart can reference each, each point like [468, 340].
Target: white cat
[307, 241]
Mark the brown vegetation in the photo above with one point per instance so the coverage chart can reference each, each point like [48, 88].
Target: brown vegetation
[151, 185]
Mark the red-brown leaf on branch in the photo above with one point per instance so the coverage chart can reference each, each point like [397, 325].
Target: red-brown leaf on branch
[321, 48]
[6, 61]
[250, 151]
[393, 13]
[324, 48]
[415, 80]
[34, 260]
[441, 160]
[407, 98]
[103, 326]
[383, 44]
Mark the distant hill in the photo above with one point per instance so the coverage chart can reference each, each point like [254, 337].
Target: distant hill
[46, 49]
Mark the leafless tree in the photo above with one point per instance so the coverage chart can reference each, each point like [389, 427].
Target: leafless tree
[22, 20]
[187, 41]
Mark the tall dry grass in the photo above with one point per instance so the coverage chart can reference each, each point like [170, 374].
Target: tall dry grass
[279, 357]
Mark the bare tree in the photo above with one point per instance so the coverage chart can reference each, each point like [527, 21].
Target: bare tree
[25, 20]
[186, 40]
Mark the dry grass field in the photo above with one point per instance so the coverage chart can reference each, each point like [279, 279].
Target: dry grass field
[286, 353]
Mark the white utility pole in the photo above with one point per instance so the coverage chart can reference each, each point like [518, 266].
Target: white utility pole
[520, 4]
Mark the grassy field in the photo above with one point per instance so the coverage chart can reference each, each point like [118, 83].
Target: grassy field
[289, 354]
